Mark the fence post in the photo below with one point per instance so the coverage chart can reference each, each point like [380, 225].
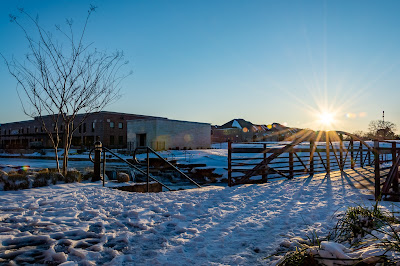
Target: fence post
[148, 170]
[264, 174]
[328, 155]
[341, 152]
[377, 170]
[291, 174]
[97, 161]
[104, 167]
[229, 163]
[352, 153]
[396, 176]
[369, 157]
[361, 155]
[312, 146]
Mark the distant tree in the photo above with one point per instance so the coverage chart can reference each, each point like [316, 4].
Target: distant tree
[62, 77]
[381, 129]
[359, 133]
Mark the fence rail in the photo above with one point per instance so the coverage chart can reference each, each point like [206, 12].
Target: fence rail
[259, 162]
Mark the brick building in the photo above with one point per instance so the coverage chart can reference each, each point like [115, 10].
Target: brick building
[111, 127]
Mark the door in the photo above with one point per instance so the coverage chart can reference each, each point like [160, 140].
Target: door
[141, 140]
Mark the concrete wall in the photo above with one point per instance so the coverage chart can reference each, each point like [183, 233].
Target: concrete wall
[164, 134]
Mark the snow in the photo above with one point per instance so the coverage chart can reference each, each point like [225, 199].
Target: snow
[236, 124]
[88, 224]
[85, 223]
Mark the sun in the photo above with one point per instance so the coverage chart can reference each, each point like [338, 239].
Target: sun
[326, 118]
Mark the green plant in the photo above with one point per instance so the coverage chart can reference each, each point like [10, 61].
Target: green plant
[298, 257]
[358, 221]
[314, 239]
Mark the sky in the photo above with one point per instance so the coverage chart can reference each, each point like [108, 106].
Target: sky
[213, 61]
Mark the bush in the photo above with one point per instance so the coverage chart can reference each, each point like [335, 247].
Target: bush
[46, 178]
[73, 176]
[87, 176]
[16, 181]
[3, 178]
[41, 180]
[123, 177]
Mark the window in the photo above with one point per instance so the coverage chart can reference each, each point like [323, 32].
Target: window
[80, 129]
[27, 131]
[93, 126]
[36, 130]
[120, 140]
[84, 127]
[111, 140]
[120, 125]
[111, 124]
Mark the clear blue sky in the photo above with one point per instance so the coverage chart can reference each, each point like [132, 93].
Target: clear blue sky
[212, 61]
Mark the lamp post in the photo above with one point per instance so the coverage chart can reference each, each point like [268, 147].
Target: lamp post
[97, 160]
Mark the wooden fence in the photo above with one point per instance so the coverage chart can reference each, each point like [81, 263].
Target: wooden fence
[259, 162]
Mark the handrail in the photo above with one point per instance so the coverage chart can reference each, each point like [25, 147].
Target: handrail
[273, 156]
[170, 164]
[129, 163]
[292, 148]
[392, 174]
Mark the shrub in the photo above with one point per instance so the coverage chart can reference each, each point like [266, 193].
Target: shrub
[16, 181]
[73, 176]
[3, 178]
[87, 176]
[123, 177]
[41, 179]
[46, 177]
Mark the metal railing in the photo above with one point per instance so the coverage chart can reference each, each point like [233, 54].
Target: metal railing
[97, 161]
[150, 150]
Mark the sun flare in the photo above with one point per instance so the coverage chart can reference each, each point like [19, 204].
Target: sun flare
[326, 118]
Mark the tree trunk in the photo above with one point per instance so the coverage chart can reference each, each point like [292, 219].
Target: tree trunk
[66, 149]
[57, 160]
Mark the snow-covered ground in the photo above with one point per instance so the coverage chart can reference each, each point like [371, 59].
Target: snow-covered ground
[85, 223]
[88, 224]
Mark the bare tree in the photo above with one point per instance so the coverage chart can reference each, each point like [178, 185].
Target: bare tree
[382, 129]
[60, 78]
[359, 133]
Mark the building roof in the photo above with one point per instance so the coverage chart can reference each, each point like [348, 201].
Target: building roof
[169, 120]
[237, 123]
[81, 114]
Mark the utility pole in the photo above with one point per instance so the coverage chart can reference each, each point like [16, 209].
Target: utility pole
[383, 116]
